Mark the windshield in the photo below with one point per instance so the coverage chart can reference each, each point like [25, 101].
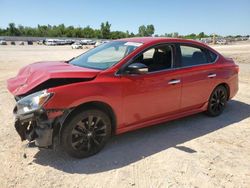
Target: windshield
[105, 55]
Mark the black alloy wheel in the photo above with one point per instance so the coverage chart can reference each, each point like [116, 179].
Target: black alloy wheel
[217, 101]
[86, 133]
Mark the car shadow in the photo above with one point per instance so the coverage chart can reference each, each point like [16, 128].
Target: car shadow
[130, 147]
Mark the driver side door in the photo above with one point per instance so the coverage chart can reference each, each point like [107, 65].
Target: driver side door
[156, 94]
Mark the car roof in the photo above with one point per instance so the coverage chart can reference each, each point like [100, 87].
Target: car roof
[155, 40]
[147, 40]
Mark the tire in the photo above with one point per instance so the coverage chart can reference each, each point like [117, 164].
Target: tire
[217, 101]
[79, 139]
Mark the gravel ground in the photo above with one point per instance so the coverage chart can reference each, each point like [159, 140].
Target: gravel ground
[197, 151]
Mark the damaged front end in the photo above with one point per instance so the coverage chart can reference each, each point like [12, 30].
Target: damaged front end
[32, 122]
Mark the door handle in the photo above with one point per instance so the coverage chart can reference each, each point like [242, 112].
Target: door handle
[212, 75]
[174, 81]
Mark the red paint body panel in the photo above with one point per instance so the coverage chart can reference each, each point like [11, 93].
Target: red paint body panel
[37, 73]
[150, 96]
[196, 86]
[136, 100]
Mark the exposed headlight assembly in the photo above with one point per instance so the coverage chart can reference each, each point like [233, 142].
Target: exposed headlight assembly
[32, 102]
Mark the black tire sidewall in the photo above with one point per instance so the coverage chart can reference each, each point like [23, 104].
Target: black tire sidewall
[209, 111]
[66, 132]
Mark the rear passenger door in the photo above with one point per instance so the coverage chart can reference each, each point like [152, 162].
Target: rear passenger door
[198, 76]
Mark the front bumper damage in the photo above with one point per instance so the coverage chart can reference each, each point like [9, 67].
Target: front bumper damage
[37, 127]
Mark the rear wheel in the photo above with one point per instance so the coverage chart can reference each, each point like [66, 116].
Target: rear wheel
[217, 101]
[86, 133]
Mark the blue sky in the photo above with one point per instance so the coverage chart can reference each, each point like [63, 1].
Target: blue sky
[223, 17]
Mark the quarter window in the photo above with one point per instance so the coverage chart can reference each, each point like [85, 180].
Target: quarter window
[213, 56]
[192, 56]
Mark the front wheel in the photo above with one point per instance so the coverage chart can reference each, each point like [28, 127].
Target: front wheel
[86, 133]
[217, 101]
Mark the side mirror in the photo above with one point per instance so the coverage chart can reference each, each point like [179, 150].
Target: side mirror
[137, 68]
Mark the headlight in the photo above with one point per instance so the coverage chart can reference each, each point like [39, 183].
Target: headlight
[32, 102]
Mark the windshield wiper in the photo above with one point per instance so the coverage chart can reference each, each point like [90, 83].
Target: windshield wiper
[70, 59]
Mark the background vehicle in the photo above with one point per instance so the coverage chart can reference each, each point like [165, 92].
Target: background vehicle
[117, 87]
[50, 42]
[29, 42]
[3, 42]
[54, 42]
[98, 43]
[76, 45]
[21, 43]
[12, 43]
[221, 42]
[87, 42]
[41, 42]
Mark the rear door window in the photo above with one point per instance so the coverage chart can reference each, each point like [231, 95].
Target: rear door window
[191, 56]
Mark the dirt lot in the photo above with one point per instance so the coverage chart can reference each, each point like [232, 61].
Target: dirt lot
[196, 151]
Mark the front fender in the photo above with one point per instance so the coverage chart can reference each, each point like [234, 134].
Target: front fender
[73, 95]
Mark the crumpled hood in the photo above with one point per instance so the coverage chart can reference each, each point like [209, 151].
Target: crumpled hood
[35, 74]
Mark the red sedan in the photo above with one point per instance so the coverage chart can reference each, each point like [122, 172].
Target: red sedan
[117, 87]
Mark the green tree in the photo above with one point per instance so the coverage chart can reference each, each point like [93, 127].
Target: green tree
[127, 34]
[191, 36]
[201, 35]
[168, 34]
[78, 32]
[30, 31]
[70, 31]
[42, 30]
[61, 30]
[21, 30]
[88, 32]
[105, 30]
[150, 30]
[12, 30]
[98, 33]
[118, 35]
[2, 32]
[175, 34]
[131, 34]
[145, 31]
[142, 31]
